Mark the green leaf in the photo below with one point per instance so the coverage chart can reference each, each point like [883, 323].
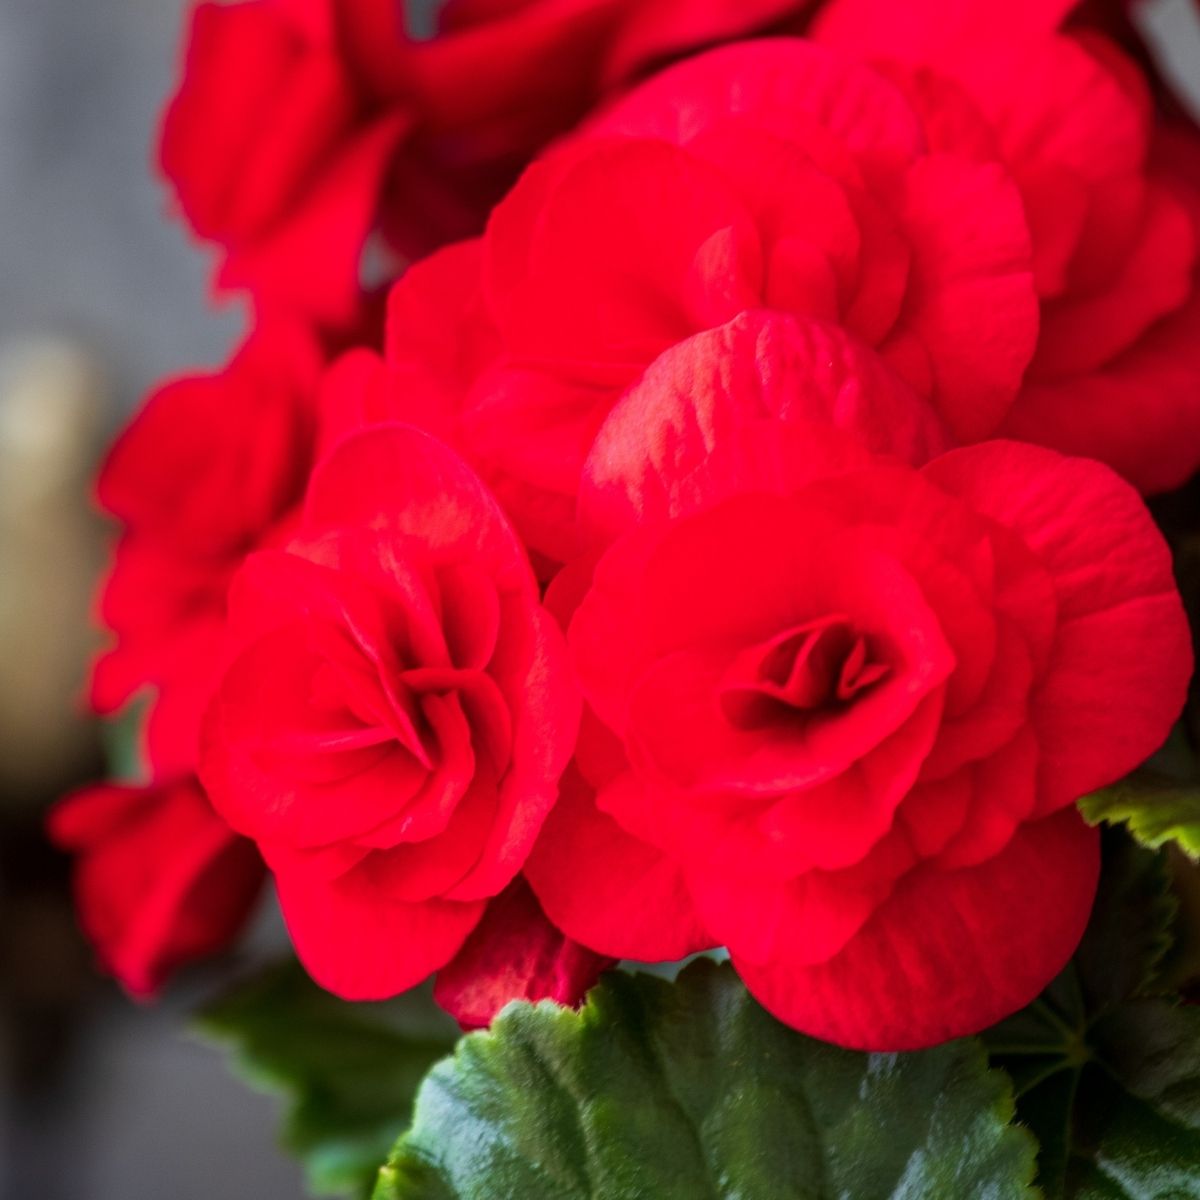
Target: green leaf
[690, 1091]
[421, 18]
[123, 739]
[1156, 808]
[1131, 930]
[349, 1072]
[1105, 1065]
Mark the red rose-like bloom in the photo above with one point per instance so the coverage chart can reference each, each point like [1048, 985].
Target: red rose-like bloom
[838, 715]
[160, 880]
[777, 176]
[203, 474]
[275, 153]
[515, 953]
[302, 125]
[396, 714]
[1116, 375]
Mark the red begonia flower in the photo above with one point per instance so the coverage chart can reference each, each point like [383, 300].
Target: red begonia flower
[396, 714]
[700, 372]
[722, 406]
[837, 724]
[775, 177]
[160, 880]
[276, 155]
[300, 127]
[1115, 375]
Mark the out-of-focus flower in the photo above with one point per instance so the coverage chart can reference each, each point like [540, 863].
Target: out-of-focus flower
[160, 880]
[301, 127]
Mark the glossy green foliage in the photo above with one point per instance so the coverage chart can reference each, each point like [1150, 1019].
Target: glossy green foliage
[1106, 1063]
[690, 1091]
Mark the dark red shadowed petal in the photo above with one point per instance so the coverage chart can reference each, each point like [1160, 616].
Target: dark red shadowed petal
[822, 664]
[515, 953]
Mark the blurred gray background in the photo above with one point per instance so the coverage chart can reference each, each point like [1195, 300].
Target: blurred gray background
[85, 250]
[99, 296]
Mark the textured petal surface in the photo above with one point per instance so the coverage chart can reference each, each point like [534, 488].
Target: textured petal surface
[660, 444]
[971, 301]
[950, 952]
[1122, 655]
[401, 479]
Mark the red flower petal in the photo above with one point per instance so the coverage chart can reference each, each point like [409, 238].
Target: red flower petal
[1158, 379]
[515, 953]
[950, 952]
[1122, 652]
[160, 880]
[360, 943]
[397, 478]
[311, 261]
[970, 303]
[923, 28]
[782, 84]
[656, 449]
[608, 890]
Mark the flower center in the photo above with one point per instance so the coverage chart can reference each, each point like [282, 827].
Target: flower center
[820, 666]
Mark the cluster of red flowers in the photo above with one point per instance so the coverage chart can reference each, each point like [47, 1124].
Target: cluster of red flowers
[737, 541]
